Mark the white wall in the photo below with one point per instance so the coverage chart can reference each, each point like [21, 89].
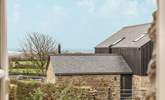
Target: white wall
[161, 51]
[3, 52]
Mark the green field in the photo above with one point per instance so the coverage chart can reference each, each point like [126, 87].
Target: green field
[23, 68]
[25, 71]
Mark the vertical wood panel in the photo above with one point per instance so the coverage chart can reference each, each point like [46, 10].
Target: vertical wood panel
[102, 50]
[137, 58]
[146, 56]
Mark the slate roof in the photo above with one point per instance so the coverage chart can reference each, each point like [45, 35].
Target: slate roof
[129, 34]
[89, 64]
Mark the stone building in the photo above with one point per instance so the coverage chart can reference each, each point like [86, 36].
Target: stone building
[94, 70]
[121, 61]
[135, 46]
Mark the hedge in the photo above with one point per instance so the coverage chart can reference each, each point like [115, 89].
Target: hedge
[30, 90]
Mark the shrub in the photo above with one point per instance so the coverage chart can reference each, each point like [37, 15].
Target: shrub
[25, 89]
[38, 95]
[12, 95]
[31, 90]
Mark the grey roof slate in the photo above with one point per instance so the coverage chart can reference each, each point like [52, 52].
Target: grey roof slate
[129, 33]
[89, 64]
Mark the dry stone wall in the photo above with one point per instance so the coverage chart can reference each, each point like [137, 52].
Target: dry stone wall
[151, 95]
[140, 85]
[97, 82]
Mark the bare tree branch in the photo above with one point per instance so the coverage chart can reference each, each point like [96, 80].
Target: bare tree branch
[37, 48]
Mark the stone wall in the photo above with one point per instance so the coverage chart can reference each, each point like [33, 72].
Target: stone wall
[96, 82]
[151, 93]
[151, 80]
[50, 77]
[140, 85]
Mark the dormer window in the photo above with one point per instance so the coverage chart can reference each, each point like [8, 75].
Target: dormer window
[137, 39]
[119, 40]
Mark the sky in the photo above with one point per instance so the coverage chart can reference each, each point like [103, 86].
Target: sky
[76, 24]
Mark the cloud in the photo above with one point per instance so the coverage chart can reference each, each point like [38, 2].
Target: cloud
[89, 5]
[125, 8]
[121, 8]
[16, 12]
[53, 16]
[57, 11]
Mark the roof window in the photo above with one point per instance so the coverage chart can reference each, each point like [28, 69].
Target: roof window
[119, 40]
[139, 38]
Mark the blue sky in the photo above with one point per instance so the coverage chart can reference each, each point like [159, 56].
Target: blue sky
[76, 24]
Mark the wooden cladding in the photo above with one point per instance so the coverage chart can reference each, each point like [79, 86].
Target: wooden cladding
[146, 52]
[132, 56]
[136, 58]
[102, 50]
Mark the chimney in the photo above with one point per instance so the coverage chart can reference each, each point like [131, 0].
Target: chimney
[59, 48]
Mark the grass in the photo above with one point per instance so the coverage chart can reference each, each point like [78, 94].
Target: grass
[24, 68]
[25, 62]
[24, 71]
[22, 62]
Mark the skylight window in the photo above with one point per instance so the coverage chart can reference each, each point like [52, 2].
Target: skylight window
[139, 38]
[118, 41]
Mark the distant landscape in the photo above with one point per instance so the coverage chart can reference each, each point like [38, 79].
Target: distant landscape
[17, 51]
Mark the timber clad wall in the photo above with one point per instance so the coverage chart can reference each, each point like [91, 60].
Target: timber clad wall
[132, 57]
[146, 52]
[137, 58]
[102, 50]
